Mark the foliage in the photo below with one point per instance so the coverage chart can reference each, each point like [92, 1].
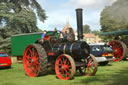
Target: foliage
[5, 45]
[86, 29]
[18, 16]
[96, 32]
[115, 17]
[55, 29]
[107, 39]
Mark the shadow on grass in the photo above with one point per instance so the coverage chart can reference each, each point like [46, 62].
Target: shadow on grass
[48, 72]
[79, 74]
[109, 64]
[52, 72]
[117, 78]
[5, 68]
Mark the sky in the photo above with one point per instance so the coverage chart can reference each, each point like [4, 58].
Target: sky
[60, 12]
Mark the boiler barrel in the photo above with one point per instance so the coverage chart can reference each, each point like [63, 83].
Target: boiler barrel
[76, 49]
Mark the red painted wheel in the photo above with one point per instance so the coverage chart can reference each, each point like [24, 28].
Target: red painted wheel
[34, 55]
[31, 61]
[91, 68]
[119, 49]
[65, 67]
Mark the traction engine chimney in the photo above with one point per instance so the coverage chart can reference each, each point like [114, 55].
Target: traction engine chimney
[79, 24]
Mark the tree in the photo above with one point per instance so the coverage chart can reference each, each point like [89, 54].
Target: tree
[96, 32]
[115, 17]
[55, 29]
[19, 16]
[86, 29]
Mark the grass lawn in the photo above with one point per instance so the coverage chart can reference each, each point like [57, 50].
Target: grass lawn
[112, 74]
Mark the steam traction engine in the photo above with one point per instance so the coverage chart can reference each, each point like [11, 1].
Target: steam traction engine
[119, 45]
[62, 53]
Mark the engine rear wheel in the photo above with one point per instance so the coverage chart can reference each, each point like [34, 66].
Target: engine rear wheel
[120, 49]
[91, 68]
[65, 67]
[35, 60]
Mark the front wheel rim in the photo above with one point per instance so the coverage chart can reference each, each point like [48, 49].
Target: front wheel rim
[64, 67]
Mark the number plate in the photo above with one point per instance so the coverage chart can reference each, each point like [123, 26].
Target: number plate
[110, 54]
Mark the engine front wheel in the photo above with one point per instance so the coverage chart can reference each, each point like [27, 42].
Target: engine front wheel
[91, 68]
[65, 67]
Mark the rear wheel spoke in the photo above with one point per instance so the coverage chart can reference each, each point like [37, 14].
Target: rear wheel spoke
[91, 67]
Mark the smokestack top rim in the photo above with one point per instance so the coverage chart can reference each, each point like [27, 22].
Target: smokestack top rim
[79, 9]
